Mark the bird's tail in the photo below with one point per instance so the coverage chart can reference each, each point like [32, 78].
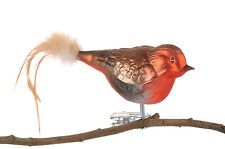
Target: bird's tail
[58, 45]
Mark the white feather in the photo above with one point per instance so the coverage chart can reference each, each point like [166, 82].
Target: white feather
[60, 46]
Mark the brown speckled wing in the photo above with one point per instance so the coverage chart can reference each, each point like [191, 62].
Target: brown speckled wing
[133, 66]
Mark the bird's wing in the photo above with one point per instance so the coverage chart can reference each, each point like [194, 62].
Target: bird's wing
[138, 65]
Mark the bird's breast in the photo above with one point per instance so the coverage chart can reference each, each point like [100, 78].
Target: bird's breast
[158, 89]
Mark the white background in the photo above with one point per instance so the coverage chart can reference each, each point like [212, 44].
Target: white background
[77, 98]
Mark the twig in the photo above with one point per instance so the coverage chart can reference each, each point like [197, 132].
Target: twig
[149, 122]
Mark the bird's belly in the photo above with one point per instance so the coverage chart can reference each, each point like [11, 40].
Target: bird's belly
[130, 92]
[149, 93]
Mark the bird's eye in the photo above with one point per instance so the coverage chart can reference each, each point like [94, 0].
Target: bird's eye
[172, 60]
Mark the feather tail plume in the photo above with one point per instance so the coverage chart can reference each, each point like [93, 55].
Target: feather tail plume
[60, 46]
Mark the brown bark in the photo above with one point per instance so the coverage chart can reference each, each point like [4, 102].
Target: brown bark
[149, 122]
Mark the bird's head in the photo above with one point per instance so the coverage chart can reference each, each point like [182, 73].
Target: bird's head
[173, 59]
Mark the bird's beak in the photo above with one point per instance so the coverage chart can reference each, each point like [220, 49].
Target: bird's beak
[187, 68]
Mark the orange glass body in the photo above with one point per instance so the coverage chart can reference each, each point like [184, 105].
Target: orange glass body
[141, 74]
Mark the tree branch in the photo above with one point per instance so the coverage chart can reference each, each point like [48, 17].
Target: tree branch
[149, 122]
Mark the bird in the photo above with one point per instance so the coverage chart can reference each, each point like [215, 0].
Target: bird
[141, 74]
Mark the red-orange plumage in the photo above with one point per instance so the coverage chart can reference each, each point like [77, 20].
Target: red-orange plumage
[141, 74]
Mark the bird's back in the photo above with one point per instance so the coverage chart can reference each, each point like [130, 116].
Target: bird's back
[130, 65]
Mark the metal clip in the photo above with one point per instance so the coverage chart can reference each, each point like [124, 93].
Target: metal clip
[123, 117]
